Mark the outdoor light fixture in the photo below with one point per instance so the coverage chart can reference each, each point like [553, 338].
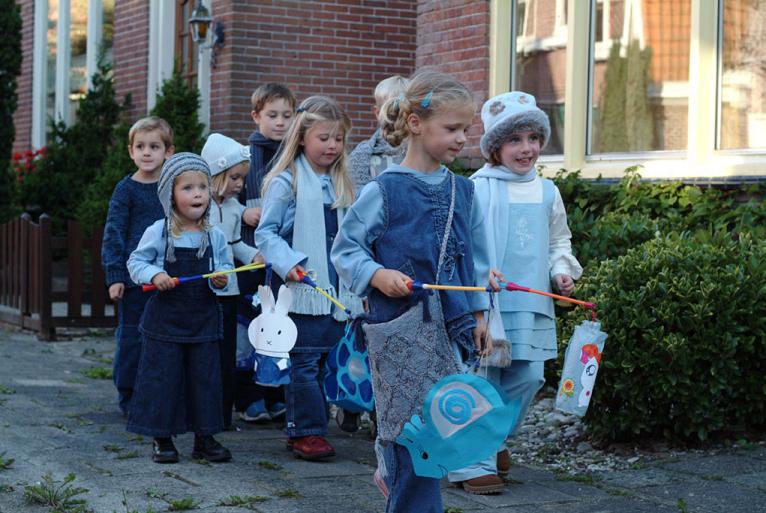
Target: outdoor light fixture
[199, 24]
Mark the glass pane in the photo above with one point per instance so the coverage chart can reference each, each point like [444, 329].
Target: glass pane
[640, 85]
[743, 75]
[78, 69]
[540, 61]
[50, 87]
[107, 35]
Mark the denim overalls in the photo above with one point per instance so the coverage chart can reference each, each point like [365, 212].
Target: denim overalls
[306, 402]
[416, 215]
[178, 387]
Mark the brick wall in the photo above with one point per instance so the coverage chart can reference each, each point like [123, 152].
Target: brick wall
[453, 37]
[339, 48]
[22, 118]
[131, 52]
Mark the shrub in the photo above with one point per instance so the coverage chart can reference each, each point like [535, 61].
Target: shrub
[10, 67]
[178, 104]
[686, 317]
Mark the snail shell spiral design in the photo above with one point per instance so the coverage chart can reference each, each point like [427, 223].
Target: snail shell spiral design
[456, 405]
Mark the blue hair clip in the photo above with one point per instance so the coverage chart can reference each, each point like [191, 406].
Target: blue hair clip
[427, 100]
[299, 110]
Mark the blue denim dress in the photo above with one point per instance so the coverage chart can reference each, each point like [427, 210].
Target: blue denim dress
[178, 387]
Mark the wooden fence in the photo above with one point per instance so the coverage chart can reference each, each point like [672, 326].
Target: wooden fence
[27, 295]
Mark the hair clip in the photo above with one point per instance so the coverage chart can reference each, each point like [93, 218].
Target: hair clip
[427, 100]
[299, 110]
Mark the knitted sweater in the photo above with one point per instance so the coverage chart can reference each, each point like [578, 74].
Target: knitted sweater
[133, 208]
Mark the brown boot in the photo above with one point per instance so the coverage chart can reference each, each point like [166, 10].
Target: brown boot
[503, 463]
[484, 485]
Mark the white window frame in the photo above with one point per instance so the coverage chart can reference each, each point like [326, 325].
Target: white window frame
[701, 160]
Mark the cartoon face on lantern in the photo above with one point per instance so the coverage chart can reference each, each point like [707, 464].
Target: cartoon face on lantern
[273, 333]
[590, 358]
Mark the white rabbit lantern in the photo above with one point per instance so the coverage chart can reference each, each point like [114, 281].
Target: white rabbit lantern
[273, 335]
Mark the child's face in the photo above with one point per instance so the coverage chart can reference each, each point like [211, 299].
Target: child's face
[235, 179]
[274, 119]
[520, 152]
[444, 134]
[191, 195]
[322, 145]
[148, 151]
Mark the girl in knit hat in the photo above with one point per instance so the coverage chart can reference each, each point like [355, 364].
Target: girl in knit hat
[529, 240]
[178, 387]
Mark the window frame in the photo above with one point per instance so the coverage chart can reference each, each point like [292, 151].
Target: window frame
[702, 161]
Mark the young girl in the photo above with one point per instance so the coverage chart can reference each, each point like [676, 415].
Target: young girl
[229, 164]
[305, 196]
[394, 234]
[178, 387]
[529, 242]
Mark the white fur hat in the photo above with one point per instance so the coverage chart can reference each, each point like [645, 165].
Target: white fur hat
[221, 153]
[507, 112]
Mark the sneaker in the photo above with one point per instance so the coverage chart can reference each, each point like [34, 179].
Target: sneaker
[277, 411]
[207, 448]
[256, 412]
[163, 451]
[310, 448]
[484, 485]
[503, 463]
[348, 421]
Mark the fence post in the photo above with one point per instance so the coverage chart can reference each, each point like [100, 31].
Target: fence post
[47, 330]
[24, 246]
[74, 267]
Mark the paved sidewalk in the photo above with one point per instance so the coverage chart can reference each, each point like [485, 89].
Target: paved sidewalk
[54, 419]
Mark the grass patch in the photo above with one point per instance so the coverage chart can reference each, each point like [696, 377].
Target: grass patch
[288, 493]
[712, 477]
[7, 390]
[127, 455]
[6, 488]
[578, 478]
[97, 372]
[243, 501]
[269, 465]
[452, 509]
[113, 448]
[60, 496]
[5, 463]
[682, 508]
[619, 492]
[201, 461]
[184, 504]
[135, 438]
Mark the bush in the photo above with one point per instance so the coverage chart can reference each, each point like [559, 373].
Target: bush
[686, 317]
[178, 104]
[10, 67]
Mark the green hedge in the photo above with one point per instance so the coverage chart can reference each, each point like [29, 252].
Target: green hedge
[686, 354]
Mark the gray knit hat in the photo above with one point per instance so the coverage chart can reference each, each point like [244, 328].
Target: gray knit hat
[173, 167]
[508, 112]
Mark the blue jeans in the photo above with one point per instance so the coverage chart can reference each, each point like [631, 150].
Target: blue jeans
[306, 404]
[128, 350]
[523, 378]
[408, 493]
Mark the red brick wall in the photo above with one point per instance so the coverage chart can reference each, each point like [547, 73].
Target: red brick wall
[131, 52]
[453, 37]
[22, 118]
[339, 48]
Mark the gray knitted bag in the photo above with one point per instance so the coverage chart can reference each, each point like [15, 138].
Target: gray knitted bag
[409, 354]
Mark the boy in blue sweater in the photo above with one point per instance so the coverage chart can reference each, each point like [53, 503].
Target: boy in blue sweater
[133, 208]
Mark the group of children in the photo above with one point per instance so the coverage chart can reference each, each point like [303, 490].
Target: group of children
[363, 227]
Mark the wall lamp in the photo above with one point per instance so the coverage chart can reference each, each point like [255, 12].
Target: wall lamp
[199, 25]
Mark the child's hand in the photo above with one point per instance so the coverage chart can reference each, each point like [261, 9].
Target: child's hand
[116, 290]
[564, 283]
[252, 216]
[163, 282]
[258, 259]
[494, 276]
[481, 337]
[219, 280]
[295, 274]
[391, 282]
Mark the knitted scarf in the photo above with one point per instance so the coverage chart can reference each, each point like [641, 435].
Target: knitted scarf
[309, 237]
[360, 158]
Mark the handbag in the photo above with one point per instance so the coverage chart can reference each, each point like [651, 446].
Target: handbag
[410, 353]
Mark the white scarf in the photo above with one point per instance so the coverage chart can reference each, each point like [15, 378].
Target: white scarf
[309, 237]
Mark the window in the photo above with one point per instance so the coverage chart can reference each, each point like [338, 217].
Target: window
[640, 89]
[186, 51]
[51, 36]
[540, 63]
[742, 81]
[78, 72]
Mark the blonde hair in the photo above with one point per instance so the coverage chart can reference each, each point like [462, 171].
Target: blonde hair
[220, 181]
[150, 123]
[203, 223]
[311, 112]
[428, 93]
[390, 87]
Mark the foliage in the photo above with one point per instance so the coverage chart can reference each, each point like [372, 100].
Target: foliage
[75, 153]
[61, 497]
[5, 463]
[686, 317]
[97, 372]
[178, 103]
[10, 67]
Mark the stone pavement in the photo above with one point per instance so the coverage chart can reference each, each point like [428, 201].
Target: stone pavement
[55, 420]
